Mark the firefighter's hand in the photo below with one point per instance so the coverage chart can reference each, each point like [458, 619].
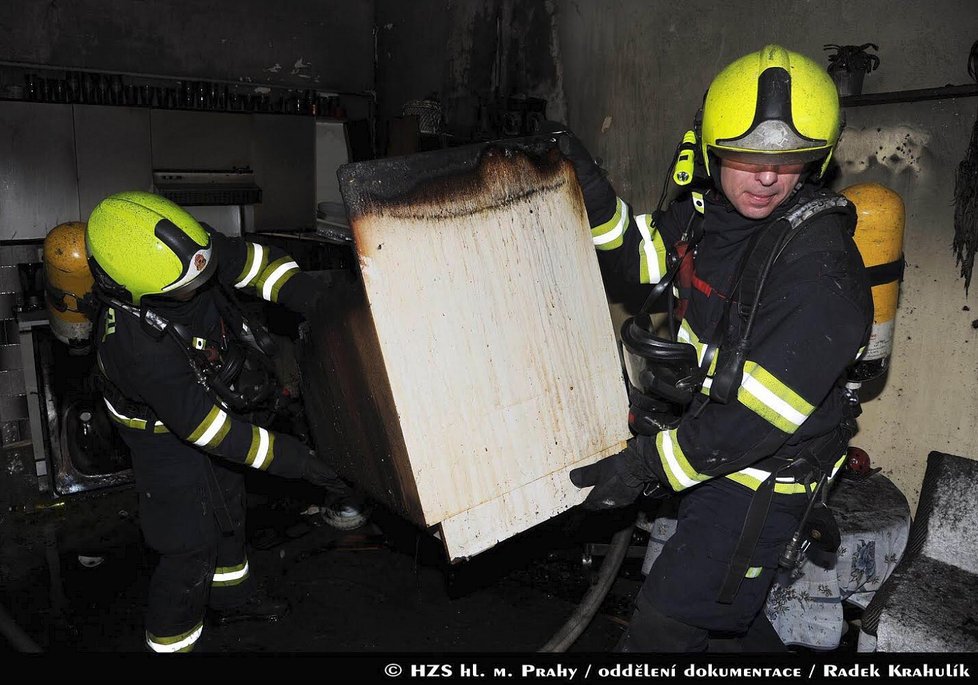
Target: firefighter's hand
[617, 481]
[319, 473]
[600, 198]
[574, 150]
[586, 166]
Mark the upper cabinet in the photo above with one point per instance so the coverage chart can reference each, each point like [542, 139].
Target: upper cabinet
[112, 145]
[57, 161]
[38, 178]
[201, 141]
[284, 150]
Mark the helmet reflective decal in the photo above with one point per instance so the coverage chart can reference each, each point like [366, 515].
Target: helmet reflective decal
[772, 136]
[192, 255]
[196, 266]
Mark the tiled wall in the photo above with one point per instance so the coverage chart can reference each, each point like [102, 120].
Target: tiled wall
[14, 424]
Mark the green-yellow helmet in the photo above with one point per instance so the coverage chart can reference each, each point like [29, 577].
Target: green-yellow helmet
[771, 107]
[142, 244]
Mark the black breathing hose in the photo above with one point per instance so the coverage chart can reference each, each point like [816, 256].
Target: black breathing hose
[20, 640]
[588, 607]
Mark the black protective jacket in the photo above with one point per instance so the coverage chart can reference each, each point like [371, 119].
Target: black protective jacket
[814, 318]
[150, 384]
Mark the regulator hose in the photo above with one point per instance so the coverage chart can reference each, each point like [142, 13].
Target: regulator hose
[20, 640]
[588, 607]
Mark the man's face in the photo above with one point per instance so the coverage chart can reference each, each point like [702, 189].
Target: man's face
[755, 190]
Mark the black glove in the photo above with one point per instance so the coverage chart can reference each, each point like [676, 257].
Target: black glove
[318, 472]
[307, 296]
[600, 198]
[618, 480]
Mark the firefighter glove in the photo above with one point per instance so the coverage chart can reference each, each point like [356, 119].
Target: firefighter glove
[319, 473]
[618, 481]
[600, 198]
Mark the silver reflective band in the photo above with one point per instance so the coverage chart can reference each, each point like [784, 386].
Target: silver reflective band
[168, 648]
[772, 401]
[128, 420]
[266, 291]
[677, 470]
[619, 227]
[644, 222]
[764, 475]
[231, 575]
[262, 448]
[212, 430]
[256, 262]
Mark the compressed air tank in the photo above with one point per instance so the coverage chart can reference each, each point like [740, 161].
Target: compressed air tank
[67, 279]
[879, 237]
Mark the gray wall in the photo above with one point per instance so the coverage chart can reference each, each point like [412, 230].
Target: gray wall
[628, 76]
[328, 45]
[467, 52]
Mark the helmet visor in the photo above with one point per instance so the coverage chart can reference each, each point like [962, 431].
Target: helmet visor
[794, 158]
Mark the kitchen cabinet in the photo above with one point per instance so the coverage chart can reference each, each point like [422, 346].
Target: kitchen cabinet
[284, 154]
[38, 181]
[200, 141]
[112, 145]
[58, 160]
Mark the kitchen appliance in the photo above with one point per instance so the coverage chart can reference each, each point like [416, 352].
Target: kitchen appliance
[224, 199]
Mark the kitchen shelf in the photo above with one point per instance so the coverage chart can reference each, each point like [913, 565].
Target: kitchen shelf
[942, 93]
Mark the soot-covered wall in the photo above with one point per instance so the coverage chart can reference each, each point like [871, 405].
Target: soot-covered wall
[326, 45]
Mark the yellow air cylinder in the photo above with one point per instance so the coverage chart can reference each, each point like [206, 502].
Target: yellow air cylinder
[67, 280]
[879, 237]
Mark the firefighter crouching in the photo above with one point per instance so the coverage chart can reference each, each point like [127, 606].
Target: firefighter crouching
[772, 305]
[172, 345]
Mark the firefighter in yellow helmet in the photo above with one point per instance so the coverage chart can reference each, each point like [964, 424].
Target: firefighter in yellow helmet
[741, 413]
[183, 377]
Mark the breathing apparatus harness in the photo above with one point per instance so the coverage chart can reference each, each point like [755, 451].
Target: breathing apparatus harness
[245, 345]
[665, 374]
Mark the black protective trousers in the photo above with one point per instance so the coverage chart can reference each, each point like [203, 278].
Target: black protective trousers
[192, 512]
[677, 608]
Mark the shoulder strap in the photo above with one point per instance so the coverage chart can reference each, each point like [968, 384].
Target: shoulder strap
[768, 246]
[749, 287]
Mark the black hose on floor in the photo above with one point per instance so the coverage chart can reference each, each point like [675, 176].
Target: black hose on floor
[588, 607]
[20, 640]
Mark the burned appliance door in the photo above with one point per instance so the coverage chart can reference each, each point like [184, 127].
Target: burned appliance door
[471, 361]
